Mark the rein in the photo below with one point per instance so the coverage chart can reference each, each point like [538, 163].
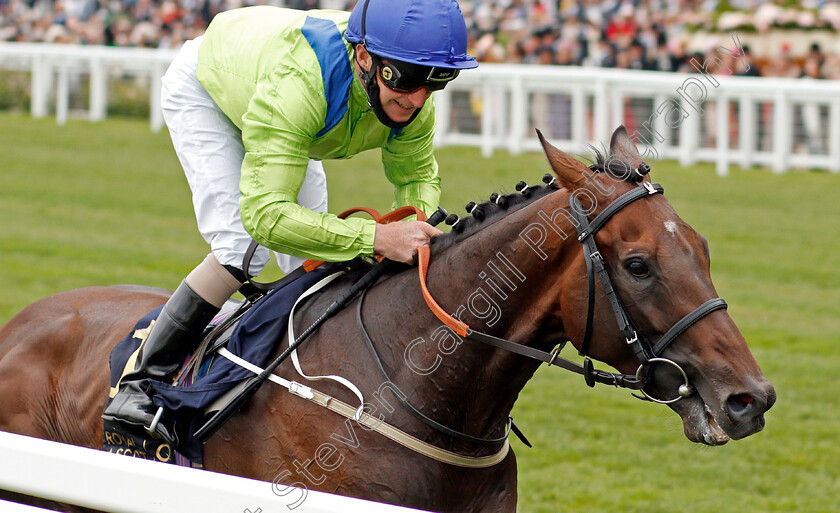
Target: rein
[646, 353]
[590, 374]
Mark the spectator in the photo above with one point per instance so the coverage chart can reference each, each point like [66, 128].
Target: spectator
[813, 134]
[603, 56]
[621, 31]
[784, 65]
[637, 58]
[750, 68]
[831, 67]
[816, 54]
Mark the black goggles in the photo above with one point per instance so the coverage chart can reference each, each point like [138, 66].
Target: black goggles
[405, 77]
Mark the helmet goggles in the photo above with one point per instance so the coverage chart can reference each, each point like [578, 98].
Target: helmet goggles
[405, 77]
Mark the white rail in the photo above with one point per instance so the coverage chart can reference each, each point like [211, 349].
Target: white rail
[780, 123]
[120, 484]
[749, 121]
[52, 67]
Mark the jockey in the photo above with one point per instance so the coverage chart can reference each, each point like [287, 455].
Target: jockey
[253, 106]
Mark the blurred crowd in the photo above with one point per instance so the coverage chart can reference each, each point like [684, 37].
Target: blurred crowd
[644, 34]
[633, 34]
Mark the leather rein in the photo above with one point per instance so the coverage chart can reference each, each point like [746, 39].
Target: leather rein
[646, 352]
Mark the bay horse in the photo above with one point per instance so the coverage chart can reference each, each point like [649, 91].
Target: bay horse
[515, 270]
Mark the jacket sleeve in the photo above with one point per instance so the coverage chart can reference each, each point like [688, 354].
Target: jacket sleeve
[282, 119]
[409, 162]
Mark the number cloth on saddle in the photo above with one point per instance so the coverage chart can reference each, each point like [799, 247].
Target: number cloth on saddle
[254, 339]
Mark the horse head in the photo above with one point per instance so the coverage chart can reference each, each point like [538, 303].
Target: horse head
[659, 267]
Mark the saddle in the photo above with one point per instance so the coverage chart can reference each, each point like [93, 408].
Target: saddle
[249, 329]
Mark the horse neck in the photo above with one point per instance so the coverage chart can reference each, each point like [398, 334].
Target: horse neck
[498, 284]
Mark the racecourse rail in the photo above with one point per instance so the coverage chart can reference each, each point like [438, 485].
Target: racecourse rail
[120, 484]
[701, 117]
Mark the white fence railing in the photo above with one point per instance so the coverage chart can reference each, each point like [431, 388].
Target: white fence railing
[780, 123]
[54, 68]
[119, 484]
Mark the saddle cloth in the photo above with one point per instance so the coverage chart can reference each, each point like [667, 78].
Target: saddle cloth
[253, 338]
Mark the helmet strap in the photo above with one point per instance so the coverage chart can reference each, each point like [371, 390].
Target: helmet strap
[372, 90]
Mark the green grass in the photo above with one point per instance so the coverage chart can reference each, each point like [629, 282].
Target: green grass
[93, 204]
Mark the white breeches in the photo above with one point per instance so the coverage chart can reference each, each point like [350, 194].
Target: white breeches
[210, 149]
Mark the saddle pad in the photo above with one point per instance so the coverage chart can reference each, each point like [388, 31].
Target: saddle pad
[254, 339]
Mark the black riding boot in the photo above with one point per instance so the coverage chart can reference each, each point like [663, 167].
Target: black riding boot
[175, 333]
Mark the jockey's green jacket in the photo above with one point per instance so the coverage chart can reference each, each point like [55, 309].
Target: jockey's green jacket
[286, 79]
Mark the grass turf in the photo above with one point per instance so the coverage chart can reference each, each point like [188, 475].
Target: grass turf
[97, 204]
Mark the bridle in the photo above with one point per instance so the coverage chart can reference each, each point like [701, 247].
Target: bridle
[647, 353]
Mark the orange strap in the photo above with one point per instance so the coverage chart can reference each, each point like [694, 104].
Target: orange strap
[423, 254]
[395, 215]
[371, 212]
[402, 213]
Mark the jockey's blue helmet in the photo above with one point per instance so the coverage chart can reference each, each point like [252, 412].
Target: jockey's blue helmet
[413, 44]
[424, 32]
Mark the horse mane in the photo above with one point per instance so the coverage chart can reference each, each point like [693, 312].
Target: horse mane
[499, 205]
[486, 213]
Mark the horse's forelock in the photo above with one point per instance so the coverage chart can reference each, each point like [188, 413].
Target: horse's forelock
[617, 166]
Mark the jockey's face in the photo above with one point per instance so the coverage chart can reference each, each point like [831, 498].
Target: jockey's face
[399, 106]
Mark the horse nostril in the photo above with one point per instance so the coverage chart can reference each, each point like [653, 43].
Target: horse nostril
[740, 404]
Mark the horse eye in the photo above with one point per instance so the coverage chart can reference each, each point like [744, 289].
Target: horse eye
[638, 268]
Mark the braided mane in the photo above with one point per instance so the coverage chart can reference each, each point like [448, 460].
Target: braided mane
[499, 205]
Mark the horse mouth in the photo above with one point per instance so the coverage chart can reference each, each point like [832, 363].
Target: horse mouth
[699, 422]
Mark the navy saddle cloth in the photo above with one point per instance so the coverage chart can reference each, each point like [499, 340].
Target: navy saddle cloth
[253, 339]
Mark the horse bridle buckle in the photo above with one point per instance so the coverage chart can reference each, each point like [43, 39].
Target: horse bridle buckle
[630, 341]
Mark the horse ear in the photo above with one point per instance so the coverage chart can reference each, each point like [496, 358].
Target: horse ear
[568, 169]
[623, 147]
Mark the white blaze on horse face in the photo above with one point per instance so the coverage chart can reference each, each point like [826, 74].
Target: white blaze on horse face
[671, 226]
